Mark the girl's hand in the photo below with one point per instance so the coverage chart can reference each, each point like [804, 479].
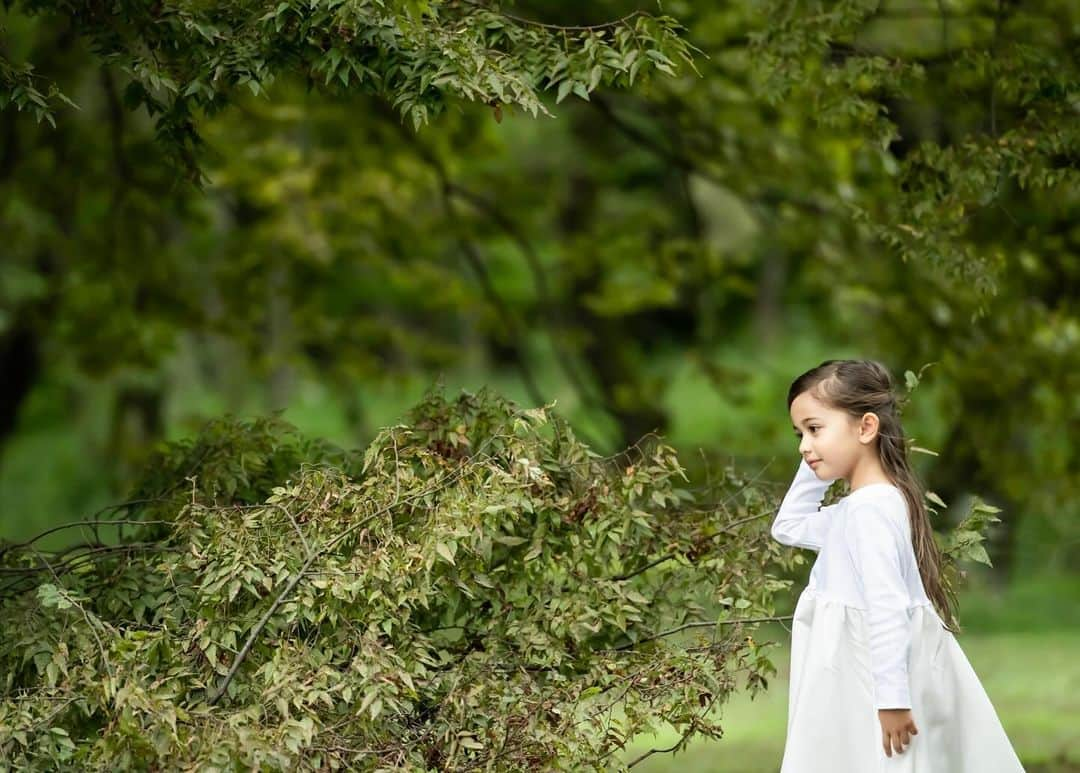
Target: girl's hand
[897, 727]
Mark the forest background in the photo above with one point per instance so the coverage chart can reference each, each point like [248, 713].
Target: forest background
[654, 217]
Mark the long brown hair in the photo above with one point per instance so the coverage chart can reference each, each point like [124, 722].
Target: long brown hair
[864, 386]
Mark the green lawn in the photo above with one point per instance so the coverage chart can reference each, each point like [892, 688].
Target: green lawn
[1033, 680]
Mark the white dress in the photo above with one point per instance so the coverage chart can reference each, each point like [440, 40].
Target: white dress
[865, 636]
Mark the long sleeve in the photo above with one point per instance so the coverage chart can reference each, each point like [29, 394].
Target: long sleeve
[799, 522]
[874, 540]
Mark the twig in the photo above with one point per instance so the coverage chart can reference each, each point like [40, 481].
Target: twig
[86, 616]
[682, 740]
[560, 27]
[296, 526]
[701, 624]
[89, 522]
[65, 566]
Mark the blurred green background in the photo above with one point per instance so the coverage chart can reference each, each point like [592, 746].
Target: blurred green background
[896, 182]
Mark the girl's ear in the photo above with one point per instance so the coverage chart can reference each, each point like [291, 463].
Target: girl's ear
[868, 427]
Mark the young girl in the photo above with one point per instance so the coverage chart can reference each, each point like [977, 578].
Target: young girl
[878, 681]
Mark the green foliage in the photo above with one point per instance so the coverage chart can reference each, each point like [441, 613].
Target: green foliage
[476, 589]
[239, 460]
[1004, 74]
[19, 89]
[953, 146]
[963, 543]
[901, 179]
[186, 59]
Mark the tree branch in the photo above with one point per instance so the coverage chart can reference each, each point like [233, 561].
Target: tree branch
[700, 624]
[560, 27]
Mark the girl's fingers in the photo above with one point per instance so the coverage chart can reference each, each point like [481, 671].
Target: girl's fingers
[898, 740]
[894, 742]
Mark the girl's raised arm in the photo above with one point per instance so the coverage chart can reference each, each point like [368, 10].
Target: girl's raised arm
[801, 521]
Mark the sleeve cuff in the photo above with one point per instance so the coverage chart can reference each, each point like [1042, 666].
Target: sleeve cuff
[892, 697]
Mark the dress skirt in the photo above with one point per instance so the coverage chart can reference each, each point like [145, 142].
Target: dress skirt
[833, 726]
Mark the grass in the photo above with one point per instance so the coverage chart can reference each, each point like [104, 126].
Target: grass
[1046, 602]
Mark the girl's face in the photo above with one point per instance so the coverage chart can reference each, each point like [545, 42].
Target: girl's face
[832, 442]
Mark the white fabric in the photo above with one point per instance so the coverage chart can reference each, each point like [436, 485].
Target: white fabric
[865, 636]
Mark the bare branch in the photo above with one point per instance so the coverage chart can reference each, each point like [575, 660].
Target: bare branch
[90, 522]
